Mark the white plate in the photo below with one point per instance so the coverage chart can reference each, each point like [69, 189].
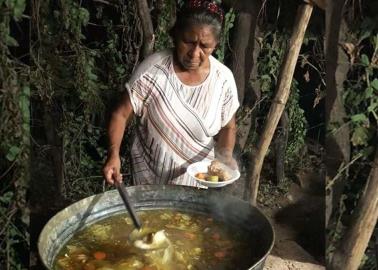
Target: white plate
[201, 166]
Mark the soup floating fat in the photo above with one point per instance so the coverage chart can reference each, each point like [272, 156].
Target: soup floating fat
[193, 241]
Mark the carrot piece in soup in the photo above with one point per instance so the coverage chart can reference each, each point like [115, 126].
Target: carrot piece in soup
[99, 255]
[190, 236]
[220, 254]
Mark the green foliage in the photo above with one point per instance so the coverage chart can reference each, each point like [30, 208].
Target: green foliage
[273, 46]
[15, 8]
[229, 19]
[14, 236]
[163, 39]
[361, 96]
[298, 126]
[14, 143]
[369, 262]
[78, 82]
[269, 61]
[361, 105]
[72, 17]
[335, 234]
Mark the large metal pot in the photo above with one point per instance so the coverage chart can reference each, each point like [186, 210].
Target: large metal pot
[231, 210]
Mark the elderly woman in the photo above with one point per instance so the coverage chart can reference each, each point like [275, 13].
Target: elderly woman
[182, 99]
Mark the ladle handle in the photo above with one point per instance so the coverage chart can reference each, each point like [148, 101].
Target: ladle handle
[125, 197]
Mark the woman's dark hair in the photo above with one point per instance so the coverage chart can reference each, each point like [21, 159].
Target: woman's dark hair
[198, 12]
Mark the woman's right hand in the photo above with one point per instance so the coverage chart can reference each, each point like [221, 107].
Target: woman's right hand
[112, 169]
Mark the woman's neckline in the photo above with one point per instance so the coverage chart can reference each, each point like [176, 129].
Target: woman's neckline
[184, 84]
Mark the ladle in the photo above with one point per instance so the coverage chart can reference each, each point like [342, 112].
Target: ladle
[125, 197]
[140, 235]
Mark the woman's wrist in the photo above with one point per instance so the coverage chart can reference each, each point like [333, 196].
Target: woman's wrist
[113, 152]
[223, 153]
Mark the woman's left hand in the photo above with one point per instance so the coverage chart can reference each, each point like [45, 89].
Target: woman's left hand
[229, 161]
[225, 156]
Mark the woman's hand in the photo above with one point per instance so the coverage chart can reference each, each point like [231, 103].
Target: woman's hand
[229, 161]
[112, 169]
[226, 158]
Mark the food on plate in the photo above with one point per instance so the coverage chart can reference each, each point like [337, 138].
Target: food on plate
[218, 168]
[217, 172]
[201, 176]
[213, 178]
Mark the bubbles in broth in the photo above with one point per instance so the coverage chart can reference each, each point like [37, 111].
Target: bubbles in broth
[196, 242]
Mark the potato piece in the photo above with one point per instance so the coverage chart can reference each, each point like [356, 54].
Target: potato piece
[130, 264]
[212, 178]
[65, 263]
[197, 251]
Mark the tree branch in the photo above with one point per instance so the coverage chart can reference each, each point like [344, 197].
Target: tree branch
[283, 90]
[148, 30]
[353, 244]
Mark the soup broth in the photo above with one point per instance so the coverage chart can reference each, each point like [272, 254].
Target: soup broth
[196, 242]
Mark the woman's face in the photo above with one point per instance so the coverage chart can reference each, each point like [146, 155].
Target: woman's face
[194, 46]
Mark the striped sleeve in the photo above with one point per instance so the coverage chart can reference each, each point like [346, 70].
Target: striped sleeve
[138, 87]
[138, 93]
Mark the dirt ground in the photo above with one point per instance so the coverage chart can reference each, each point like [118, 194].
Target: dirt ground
[287, 254]
[297, 219]
[277, 263]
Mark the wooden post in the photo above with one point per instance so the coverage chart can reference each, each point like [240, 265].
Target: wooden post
[337, 139]
[148, 30]
[245, 49]
[280, 146]
[280, 99]
[352, 246]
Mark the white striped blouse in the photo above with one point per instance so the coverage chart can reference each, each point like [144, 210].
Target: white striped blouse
[176, 122]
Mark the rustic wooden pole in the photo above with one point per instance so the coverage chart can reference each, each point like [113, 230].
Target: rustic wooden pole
[280, 99]
[352, 246]
[280, 146]
[148, 30]
[337, 139]
[245, 49]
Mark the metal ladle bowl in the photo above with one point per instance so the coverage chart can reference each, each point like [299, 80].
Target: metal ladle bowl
[140, 237]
